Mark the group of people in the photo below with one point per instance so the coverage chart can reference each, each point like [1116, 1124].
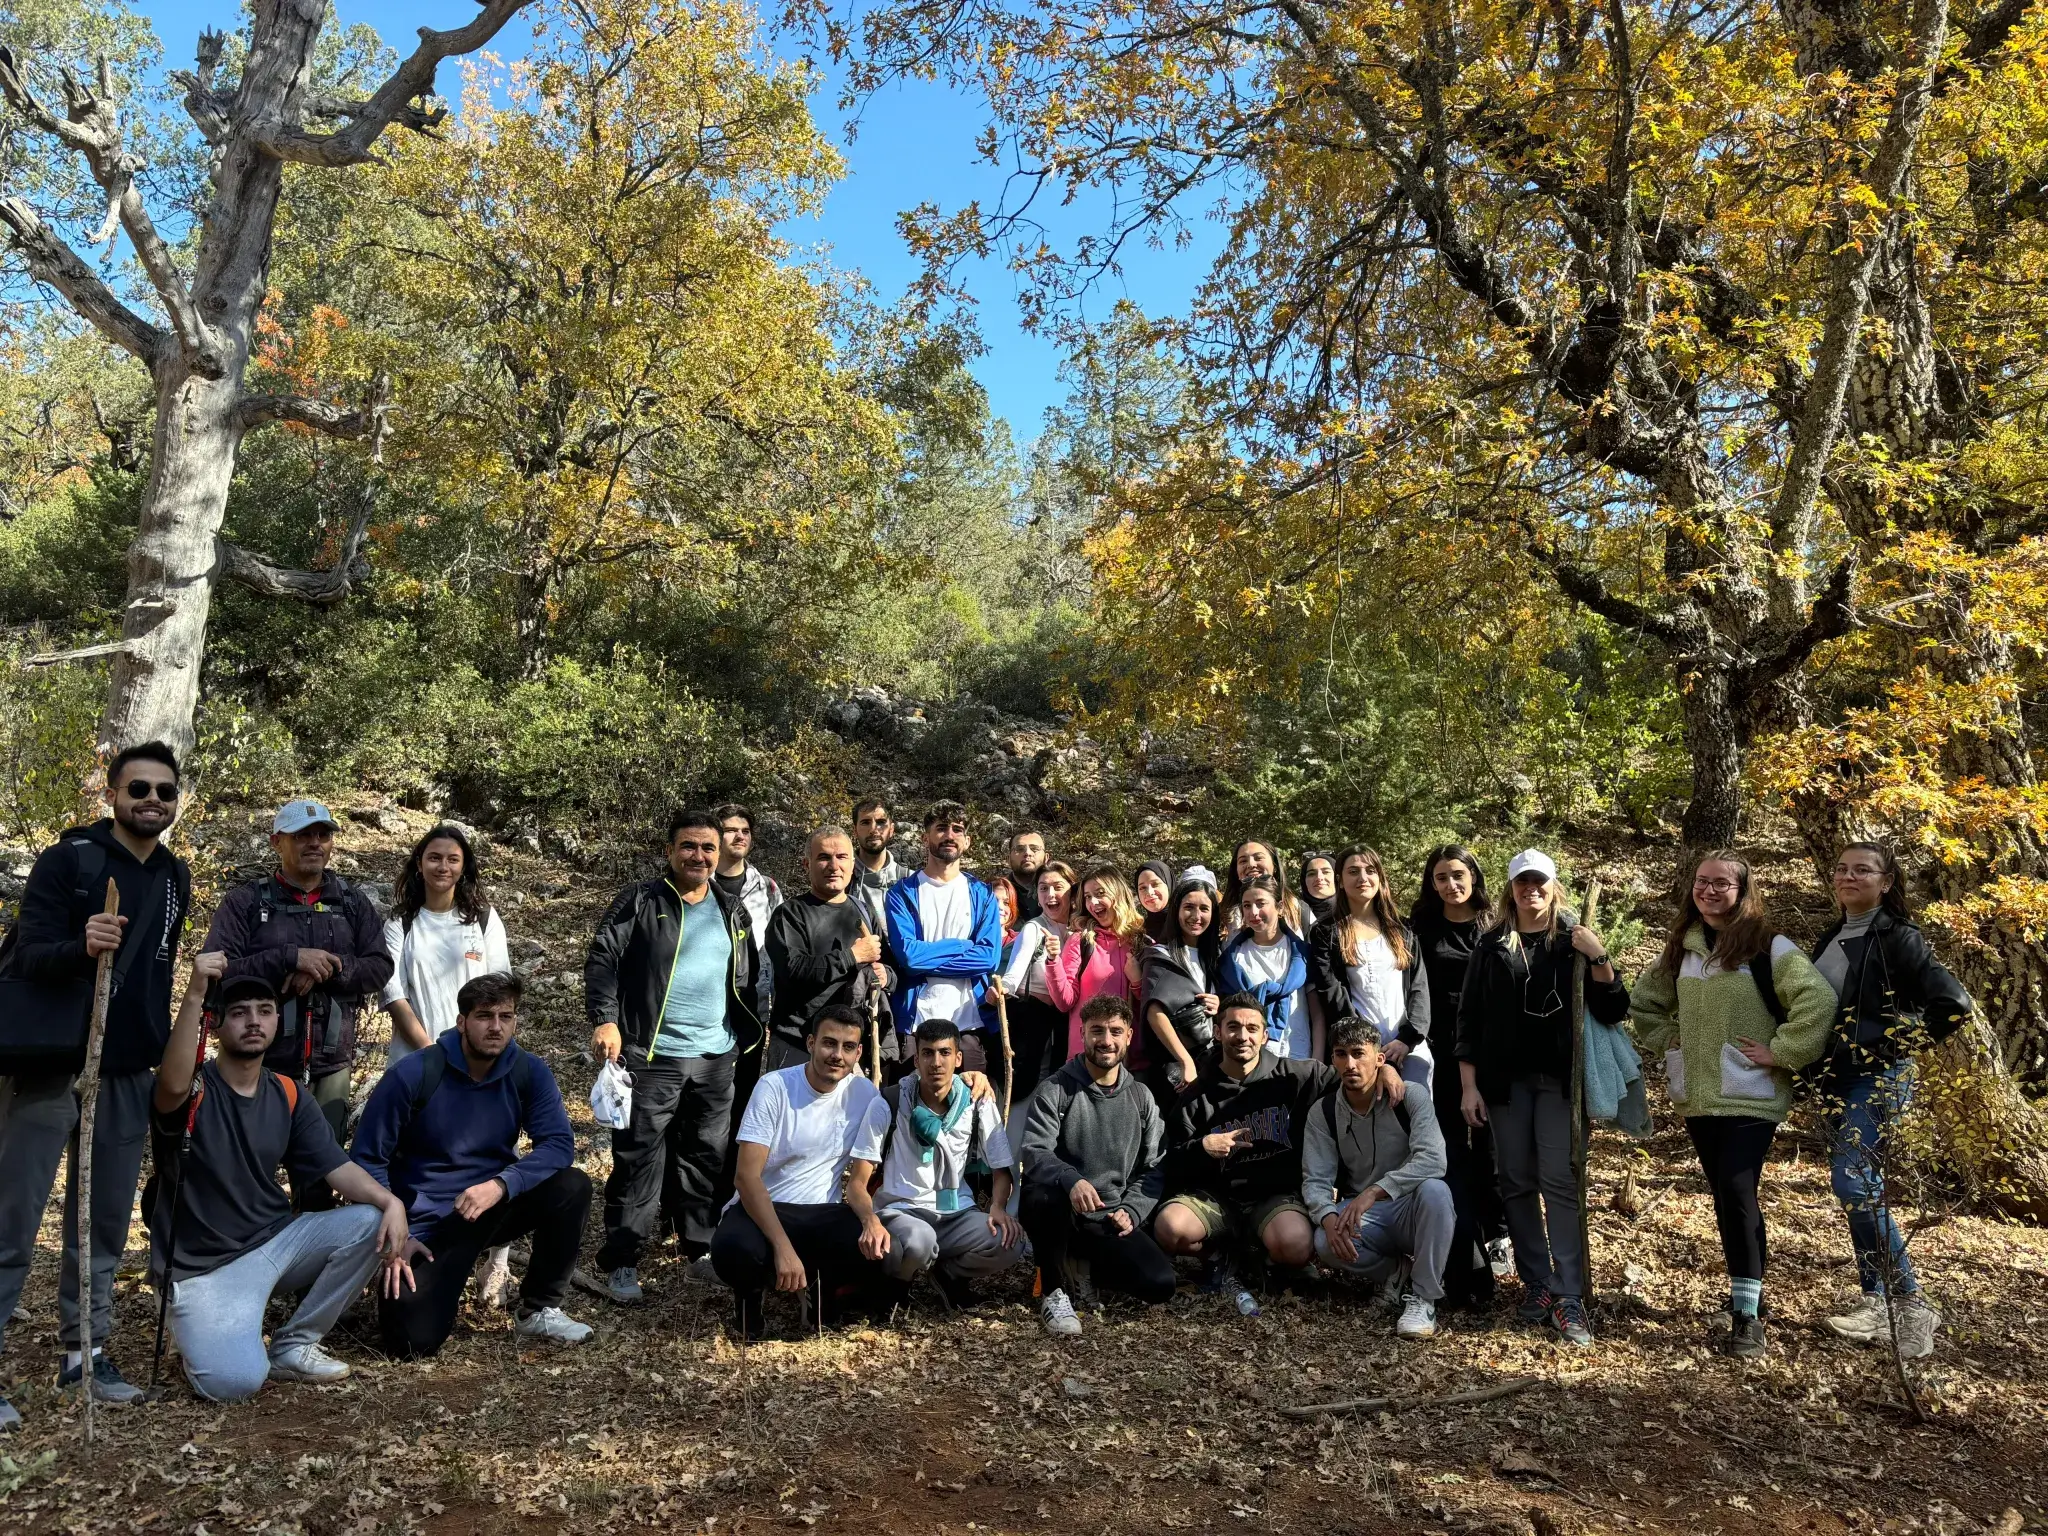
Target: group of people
[907, 1070]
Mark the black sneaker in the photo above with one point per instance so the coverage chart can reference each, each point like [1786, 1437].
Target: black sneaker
[747, 1318]
[1745, 1339]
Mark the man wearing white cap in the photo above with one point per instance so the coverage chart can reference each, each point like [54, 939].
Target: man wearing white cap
[319, 942]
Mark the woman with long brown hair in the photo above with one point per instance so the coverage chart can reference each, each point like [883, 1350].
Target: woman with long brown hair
[1100, 956]
[1736, 1008]
[1249, 860]
[1363, 960]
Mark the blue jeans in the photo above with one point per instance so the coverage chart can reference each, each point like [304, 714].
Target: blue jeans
[1870, 1100]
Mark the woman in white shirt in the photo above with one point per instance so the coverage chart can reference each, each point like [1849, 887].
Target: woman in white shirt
[441, 934]
[1364, 960]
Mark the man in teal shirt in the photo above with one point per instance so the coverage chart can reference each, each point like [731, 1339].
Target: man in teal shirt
[669, 986]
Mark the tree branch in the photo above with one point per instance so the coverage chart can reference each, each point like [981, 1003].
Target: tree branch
[324, 416]
[82, 653]
[207, 108]
[1833, 615]
[54, 264]
[1584, 585]
[320, 589]
[1851, 264]
[392, 101]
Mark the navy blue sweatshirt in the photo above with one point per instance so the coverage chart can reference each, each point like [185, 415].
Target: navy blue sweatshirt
[467, 1133]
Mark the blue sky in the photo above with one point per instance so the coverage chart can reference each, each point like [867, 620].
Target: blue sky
[915, 143]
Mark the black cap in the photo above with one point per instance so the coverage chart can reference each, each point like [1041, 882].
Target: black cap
[241, 989]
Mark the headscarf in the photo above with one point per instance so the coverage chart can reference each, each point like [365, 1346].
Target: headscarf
[1319, 907]
[1158, 925]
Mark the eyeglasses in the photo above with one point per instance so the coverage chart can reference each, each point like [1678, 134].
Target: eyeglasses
[142, 789]
[1715, 887]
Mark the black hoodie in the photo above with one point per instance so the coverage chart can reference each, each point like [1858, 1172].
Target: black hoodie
[1272, 1103]
[50, 934]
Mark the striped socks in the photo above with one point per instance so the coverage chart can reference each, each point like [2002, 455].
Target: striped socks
[1745, 1296]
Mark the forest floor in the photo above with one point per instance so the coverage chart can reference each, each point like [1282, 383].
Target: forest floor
[1170, 1421]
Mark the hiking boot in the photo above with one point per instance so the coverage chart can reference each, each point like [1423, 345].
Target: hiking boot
[622, 1285]
[1418, 1319]
[1745, 1337]
[1917, 1322]
[1057, 1313]
[1534, 1307]
[108, 1384]
[1568, 1317]
[1865, 1323]
[494, 1280]
[701, 1269]
[550, 1323]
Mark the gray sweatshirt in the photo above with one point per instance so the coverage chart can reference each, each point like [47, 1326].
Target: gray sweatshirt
[1368, 1149]
[1115, 1138]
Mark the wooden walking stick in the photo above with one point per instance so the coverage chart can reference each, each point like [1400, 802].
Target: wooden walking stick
[81, 1155]
[995, 985]
[874, 1013]
[1582, 1133]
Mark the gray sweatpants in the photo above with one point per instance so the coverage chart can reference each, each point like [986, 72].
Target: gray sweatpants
[960, 1240]
[217, 1317]
[37, 1117]
[1532, 1146]
[1416, 1226]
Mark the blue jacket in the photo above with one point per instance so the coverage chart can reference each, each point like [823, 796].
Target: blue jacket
[919, 958]
[1272, 995]
[467, 1133]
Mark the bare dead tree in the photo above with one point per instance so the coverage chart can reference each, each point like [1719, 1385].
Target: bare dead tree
[197, 347]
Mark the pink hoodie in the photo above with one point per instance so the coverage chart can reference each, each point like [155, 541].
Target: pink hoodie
[1072, 985]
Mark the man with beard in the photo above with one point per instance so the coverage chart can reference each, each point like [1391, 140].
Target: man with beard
[1093, 1151]
[54, 950]
[823, 947]
[1026, 853]
[319, 943]
[945, 931]
[441, 1131]
[875, 869]
[808, 1147]
[223, 1234]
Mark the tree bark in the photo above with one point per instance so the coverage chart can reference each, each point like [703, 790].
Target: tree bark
[1717, 740]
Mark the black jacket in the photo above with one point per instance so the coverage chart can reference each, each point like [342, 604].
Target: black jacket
[1326, 979]
[1446, 955]
[49, 937]
[1507, 1026]
[263, 925]
[1272, 1103]
[810, 949]
[625, 977]
[1896, 991]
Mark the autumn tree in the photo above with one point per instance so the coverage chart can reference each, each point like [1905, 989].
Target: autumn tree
[192, 320]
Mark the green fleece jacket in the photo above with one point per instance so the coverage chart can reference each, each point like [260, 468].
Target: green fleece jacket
[1697, 1017]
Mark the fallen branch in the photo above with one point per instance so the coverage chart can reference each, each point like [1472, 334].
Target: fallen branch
[1455, 1400]
[83, 653]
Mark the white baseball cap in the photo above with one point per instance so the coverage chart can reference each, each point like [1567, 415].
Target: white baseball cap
[297, 815]
[1202, 873]
[1531, 861]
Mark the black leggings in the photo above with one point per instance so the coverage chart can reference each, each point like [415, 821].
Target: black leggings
[1131, 1263]
[1732, 1150]
[1475, 1193]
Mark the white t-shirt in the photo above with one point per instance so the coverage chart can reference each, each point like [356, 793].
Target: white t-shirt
[908, 1180]
[430, 964]
[1378, 994]
[812, 1136]
[1268, 963]
[1026, 974]
[945, 910]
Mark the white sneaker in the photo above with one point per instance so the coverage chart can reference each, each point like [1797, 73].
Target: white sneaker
[1864, 1323]
[306, 1362]
[1917, 1322]
[1394, 1289]
[494, 1280]
[1418, 1319]
[1057, 1313]
[552, 1323]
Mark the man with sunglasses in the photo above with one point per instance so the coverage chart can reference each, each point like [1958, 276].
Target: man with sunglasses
[53, 953]
[319, 942]
[945, 931]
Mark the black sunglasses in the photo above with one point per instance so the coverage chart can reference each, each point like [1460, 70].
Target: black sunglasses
[141, 789]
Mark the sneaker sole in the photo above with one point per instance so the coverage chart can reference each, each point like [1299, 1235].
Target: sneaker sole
[308, 1378]
[554, 1338]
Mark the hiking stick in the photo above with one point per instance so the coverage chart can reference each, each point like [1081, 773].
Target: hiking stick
[81, 1155]
[874, 1012]
[1582, 1133]
[995, 985]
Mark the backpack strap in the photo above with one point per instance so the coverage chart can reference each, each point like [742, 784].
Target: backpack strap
[291, 1091]
[434, 1067]
[1766, 984]
[1330, 1113]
